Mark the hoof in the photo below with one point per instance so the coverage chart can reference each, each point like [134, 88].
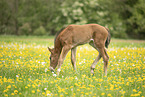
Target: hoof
[92, 71]
[51, 69]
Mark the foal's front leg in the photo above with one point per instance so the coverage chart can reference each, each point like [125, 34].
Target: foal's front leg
[62, 57]
[73, 57]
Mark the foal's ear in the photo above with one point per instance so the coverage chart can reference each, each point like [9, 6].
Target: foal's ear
[50, 49]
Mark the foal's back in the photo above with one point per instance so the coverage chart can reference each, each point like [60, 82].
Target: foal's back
[80, 34]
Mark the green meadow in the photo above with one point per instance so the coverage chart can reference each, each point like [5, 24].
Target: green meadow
[24, 62]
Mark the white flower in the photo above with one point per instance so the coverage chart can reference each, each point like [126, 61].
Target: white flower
[58, 70]
[54, 75]
[17, 75]
[45, 89]
[46, 69]
[43, 63]
[117, 64]
[52, 72]
[48, 94]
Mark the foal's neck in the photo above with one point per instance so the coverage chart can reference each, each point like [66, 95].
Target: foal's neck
[57, 46]
[57, 50]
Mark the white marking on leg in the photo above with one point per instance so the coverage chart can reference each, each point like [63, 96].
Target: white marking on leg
[91, 39]
[94, 63]
[51, 68]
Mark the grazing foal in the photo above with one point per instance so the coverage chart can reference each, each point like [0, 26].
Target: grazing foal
[74, 35]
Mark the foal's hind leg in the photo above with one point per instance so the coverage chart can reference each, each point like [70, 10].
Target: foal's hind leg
[106, 62]
[94, 63]
[73, 57]
[105, 58]
[96, 60]
[101, 48]
[106, 53]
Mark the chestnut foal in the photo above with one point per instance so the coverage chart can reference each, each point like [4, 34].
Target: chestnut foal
[74, 35]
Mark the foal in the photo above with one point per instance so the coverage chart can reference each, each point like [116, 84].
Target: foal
[74, 35]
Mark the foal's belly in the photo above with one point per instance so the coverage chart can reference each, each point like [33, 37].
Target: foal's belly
[80, 42]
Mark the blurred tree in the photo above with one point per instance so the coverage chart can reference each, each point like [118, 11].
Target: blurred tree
[131, 13]
[94, 11]
[27, 17]
[15, 11]
[136, 22]
[5, 16]
[40, 31]
[25, 29]
[112, 18]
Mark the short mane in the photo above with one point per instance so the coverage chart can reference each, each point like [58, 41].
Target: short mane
[58, 33]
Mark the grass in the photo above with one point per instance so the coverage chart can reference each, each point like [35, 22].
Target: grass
[24, 63]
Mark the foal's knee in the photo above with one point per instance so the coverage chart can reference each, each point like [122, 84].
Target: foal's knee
[106, 59]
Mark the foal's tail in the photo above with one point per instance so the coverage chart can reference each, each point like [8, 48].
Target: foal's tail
[108, 38]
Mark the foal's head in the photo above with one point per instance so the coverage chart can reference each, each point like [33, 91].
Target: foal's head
[53, 59]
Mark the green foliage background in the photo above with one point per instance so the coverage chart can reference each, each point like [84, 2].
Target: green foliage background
[124, 18]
